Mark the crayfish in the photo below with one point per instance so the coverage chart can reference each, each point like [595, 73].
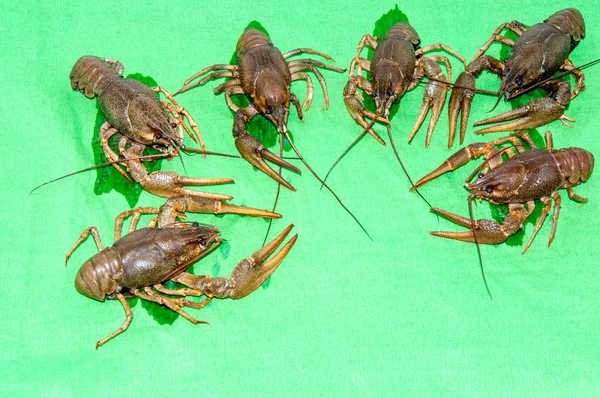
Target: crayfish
[538, 53]
[526, 176]
[134, 111]
[139, 263]
[397, 66]
[264, 76]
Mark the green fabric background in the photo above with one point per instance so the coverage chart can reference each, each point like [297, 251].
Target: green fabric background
[405, 313]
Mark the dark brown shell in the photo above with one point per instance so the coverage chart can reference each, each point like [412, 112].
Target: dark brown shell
[251, 38]
[403, 31]
[575, 164]
[569, 21]
[92, 75]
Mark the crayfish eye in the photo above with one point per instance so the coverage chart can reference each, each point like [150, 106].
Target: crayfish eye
[203, 242]
[488, 190]
[480, 175]
[373, 95]
[157, 136]
[173, 124]
[503, 74]
[269, 110]
[389, 92]
[195, 224]
[519, 81]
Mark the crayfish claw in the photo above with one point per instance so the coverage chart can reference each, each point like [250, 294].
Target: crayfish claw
[460, 101]
[537, 113]
[460, 158]
[488, 232]
[255, 153]
[460, 220]
[247, 276]
[434, 99]
[250, 273]
[177, 206]
[264, 252]
[168, 184]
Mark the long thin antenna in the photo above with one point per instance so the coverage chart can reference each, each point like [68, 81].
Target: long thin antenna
[183, 164]
[323, 182]
[365, 131]
[389, 129]
[98, 166]
[496, 104]
[477, 90]
[189, 151]
[360, 137]
[278, 190]
[470, 200]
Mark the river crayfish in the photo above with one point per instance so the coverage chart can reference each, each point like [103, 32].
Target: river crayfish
[526, 176]
[134, 111]
[138, 264]
[264, 76]
[397, 66]
[538, 53]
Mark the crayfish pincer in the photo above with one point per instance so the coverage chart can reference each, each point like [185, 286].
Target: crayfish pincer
[538, 53]
[526, 176]
[139, 263]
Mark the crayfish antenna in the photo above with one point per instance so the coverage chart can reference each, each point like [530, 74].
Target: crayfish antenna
[184, 149]
[360, 137]
[487, 288]
[276, 194]
[497, 102]
[101, 165]
[285, 132]
[189, 151]
[477, 90]
[183, 164]
[404, 168]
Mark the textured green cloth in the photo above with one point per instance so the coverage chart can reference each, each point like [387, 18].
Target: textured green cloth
[403, 314]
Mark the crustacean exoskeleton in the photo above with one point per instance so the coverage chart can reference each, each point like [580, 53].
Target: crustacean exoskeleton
[397, 66]
[264, 76]
[138, 264]
[526, 176]
[538, 53]
[134, 111]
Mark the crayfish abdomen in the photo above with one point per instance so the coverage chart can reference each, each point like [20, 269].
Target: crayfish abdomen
[575, 164]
